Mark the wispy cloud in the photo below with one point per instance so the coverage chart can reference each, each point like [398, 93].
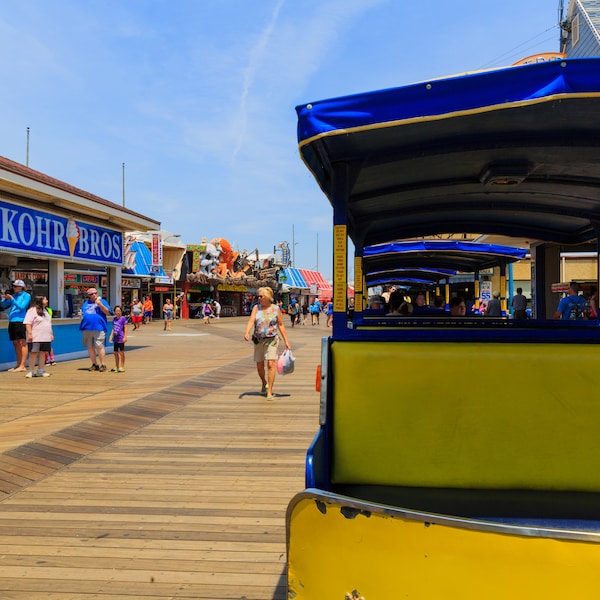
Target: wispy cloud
[197, 98]
[255, 57]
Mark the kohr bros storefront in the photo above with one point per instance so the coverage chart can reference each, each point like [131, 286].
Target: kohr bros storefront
[60, 241]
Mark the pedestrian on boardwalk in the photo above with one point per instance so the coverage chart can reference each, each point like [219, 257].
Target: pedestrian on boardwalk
[148, 310]
[17, 303]
[206, 312]
[266, 324]
[304, 312]
[293, 311]
[573, 306]
[118, 337]
[168, 314]
[593, 314]
[50, 355]
[519, 304]
[94, 327]
[38, 324]
[137, 313]
[330, 314]
[494, 307]
[314, 312]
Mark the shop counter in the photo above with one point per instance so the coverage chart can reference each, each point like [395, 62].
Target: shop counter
[66, 346]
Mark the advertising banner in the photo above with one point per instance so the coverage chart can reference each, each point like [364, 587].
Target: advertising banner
[34, 231]
[157, 250]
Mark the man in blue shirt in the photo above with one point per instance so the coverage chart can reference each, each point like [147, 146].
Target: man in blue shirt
[94, 326]
[573, 306]
[17, 304]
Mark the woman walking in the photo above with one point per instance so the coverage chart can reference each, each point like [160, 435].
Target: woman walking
[266, 323]
[168, 314]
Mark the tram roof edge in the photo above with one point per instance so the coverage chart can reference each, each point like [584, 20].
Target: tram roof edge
[512, 151]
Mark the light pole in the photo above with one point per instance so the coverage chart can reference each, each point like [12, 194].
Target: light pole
[293, 248]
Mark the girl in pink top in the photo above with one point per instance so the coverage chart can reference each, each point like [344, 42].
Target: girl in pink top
[38, 324]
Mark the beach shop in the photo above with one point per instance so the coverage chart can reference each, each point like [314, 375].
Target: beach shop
[60, 240]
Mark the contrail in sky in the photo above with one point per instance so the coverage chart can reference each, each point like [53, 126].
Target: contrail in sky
[255, 56]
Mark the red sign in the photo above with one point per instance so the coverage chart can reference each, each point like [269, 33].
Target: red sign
[156, 250]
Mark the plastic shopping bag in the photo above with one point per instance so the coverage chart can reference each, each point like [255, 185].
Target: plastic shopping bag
[285, 363]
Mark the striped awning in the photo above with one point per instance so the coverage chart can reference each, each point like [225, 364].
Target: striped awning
[292, 278]
[323, 288]
[304, 279]
[143, 262]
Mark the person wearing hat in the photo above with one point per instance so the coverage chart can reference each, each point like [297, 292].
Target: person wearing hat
[17, 304]
[376, 304]
[93, 327]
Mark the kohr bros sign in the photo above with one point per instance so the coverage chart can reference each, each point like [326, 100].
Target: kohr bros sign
[38, 232]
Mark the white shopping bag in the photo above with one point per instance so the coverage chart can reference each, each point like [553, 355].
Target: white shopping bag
[285, 363]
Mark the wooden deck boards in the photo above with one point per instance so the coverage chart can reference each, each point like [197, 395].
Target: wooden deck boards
[178, 491]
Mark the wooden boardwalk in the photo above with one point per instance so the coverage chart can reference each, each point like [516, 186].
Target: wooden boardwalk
[169, 481]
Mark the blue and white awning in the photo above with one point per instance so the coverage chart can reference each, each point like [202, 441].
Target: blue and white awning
[143, 262]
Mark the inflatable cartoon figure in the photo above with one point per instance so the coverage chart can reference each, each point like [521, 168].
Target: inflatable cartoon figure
[226, 258]
[209, 259]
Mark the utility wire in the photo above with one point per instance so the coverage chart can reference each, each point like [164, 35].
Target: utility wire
[514, 50]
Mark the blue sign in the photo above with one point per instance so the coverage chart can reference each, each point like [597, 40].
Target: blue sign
[38, 232]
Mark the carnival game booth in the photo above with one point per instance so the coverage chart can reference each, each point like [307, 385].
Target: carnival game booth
[456, 457]
[60, 240]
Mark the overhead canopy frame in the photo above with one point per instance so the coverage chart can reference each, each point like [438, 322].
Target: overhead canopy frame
[438, 255]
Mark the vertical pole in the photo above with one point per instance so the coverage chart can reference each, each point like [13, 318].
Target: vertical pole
[293, 248]
[340, 193]
[27, 150]
[511, 289]
[123, 182]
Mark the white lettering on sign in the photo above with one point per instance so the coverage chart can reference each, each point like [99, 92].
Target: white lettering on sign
[33, 230]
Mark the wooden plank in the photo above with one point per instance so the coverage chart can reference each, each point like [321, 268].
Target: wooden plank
[181, 493]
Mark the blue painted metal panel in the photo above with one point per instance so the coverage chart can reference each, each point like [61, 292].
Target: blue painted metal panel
[293, 278]
[143, 262]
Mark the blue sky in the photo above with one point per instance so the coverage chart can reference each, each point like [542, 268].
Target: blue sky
[197, 97]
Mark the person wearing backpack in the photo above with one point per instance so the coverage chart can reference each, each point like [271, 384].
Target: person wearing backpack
[573, 306]
[293, 310]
